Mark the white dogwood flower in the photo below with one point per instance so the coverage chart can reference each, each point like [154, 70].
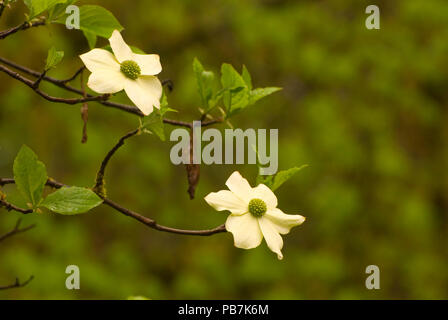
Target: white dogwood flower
[135, 73]
[254, 214]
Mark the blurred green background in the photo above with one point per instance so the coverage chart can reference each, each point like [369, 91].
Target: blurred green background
[366, 109]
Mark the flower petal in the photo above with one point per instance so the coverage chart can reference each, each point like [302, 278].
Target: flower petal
[145, 92]
[245, 229]
[273, 238]
[239, 186]
[226, 200]
[283, 222]
[121, 50]
[264, 193]
[106, 81]
[149, 64]
[99, 59]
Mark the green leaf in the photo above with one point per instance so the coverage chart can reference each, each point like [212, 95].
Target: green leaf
[36, 7]
[236, 94]
[230, 78]
[137, 50]
[72, 200]
[283, 176]
[30, 175]
[96, 20]
[154, 124]
[205, 82]
[53, 58]
[247, 78]
[260, 93]
[164, 108]
[59, 9]
[91, 38]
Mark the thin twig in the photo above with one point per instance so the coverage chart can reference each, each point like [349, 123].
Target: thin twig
[38, 81]
[211, 122]
[23, 26]
[17, 284]
[99, 184]
[16, 230]
[74, 76]
[10, 207]
[153, 224]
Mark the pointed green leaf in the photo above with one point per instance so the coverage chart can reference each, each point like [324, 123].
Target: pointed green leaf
[91, 38]
[236, 95]
[30, 175]
[59, 9]
[36, 7]
[247, 78]
[283, 176]
[230, 78]
[96, 20]
[260, 93]
[72, 200]
[205, 82]
[154, 123]
[164, 107]
[53, 58]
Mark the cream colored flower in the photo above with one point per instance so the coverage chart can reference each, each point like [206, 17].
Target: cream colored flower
[254, 214]
[135, 73]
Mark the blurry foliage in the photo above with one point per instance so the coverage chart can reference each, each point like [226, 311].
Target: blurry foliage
[366, 109]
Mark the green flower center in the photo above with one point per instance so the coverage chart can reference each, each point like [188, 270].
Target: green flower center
[130, 69]
[257, 207]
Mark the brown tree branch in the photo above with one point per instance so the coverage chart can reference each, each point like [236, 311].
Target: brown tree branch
[23, 26]
[127, 108]
[153, 224]
[145, 220]
[32, 85]
[10, 207]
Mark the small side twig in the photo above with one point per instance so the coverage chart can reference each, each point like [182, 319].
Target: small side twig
[10, 207]
[17, 284]
[16, 230]
[99, 183]
[74, 76]
[23, 26]
[38, 81]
